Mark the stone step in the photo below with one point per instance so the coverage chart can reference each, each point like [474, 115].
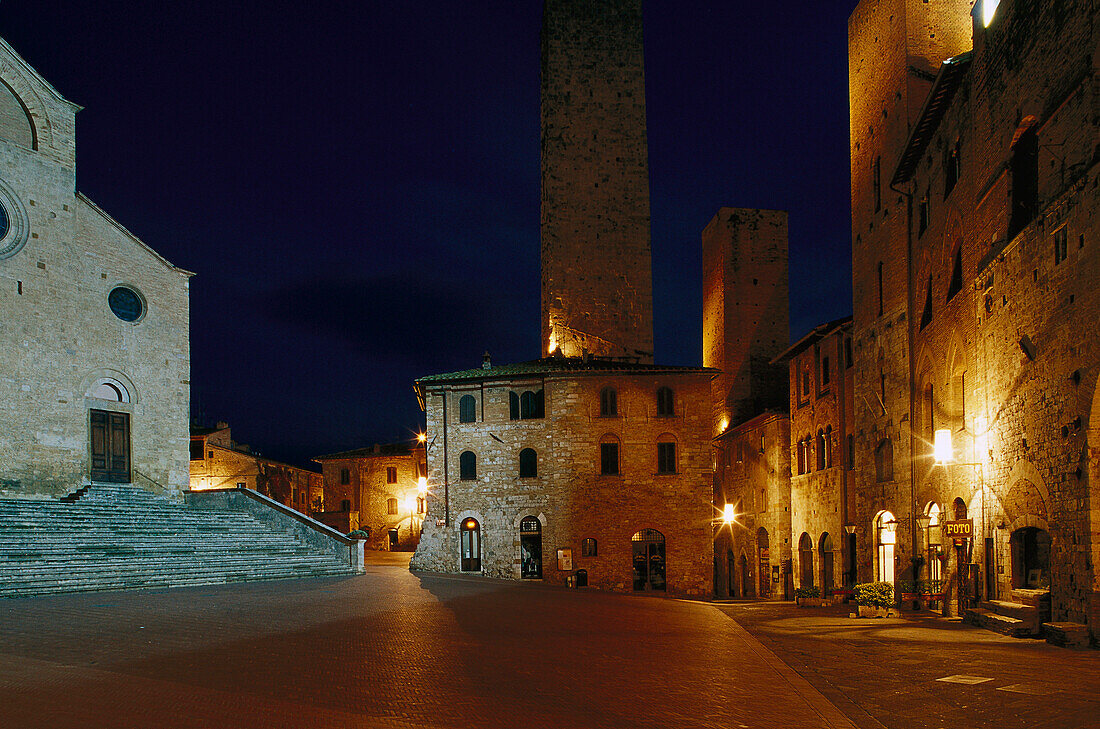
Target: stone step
[1067, 635]
[999, 623]
[150, 569]
[1018, 610]
[1035, 598]
[24, 558]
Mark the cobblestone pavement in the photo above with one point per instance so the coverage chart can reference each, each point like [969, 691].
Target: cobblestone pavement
[883, 673]
[389, 649]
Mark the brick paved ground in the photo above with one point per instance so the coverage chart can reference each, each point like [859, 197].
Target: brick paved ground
[883, 672]
[389, 649]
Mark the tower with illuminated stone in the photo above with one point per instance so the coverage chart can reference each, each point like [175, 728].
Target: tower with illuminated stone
[597, 290]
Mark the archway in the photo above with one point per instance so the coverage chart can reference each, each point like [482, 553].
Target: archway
[1030, 548]
[648, 548]
[806, 560]
[470, 545]
[826, 564]
[731, 574]
[764, 559]
[530, 548]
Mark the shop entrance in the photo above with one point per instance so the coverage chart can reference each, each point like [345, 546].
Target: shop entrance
[648, 547]
[1030, 558]
[530, 547]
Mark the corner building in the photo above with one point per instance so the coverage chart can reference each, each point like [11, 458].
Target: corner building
[992, 195]
[94, 350]
[595, 470]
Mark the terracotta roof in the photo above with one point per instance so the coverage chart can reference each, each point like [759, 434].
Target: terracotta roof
[552, 365]
[374, 451]
[814, 335]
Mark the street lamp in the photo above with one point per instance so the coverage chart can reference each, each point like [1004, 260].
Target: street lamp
[727, 514]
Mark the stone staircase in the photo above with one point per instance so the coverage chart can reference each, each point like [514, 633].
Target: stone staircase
[120, 537]
[1021, 617]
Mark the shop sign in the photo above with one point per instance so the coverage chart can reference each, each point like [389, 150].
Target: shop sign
[958, 530]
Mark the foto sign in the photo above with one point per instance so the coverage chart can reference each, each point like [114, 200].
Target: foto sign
[962, 529]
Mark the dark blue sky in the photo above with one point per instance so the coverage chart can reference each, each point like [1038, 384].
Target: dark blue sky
[355, 184]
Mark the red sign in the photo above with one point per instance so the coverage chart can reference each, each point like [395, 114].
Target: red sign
[963, 529]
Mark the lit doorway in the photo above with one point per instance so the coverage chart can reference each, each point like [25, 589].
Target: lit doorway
[648, 547]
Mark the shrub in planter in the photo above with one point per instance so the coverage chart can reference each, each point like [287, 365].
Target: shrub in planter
[358, 534]
[875, 594]
[804, 592]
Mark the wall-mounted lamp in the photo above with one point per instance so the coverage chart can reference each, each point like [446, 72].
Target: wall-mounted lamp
[727, 514]
[942, 448]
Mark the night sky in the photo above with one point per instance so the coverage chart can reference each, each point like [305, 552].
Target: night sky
[355, 184]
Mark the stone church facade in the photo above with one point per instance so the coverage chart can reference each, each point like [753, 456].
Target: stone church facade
[94, 350]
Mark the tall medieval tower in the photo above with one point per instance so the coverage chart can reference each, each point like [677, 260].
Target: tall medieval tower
[894, 50]
[597, 288]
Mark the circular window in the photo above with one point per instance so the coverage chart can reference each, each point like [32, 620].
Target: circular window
[14, 223]
[126, 303]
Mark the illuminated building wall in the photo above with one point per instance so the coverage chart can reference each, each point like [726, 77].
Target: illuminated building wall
[597, 290]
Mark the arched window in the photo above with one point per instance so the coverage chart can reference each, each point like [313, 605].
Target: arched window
[609, 456]
[801, 457]
[470, 545]
[467, 466]
[666, 454]
[664, 401]
[588, 547]
[609, 403]
[763, 558]
[391, 506]
[513, 406]
[806, 560]
[108, 388]
[959, 507]
[885, 539]
[420, 505]
[820, 449]
[884, 461]
[467, 409]
[826, 548]
[531, 405]
[932, 541]
[828, 446]
[528, 463]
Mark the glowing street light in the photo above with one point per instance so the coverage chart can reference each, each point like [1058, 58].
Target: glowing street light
[942, 447]
[727, 514]
[422, 484]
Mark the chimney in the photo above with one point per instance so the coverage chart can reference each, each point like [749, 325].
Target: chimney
[221, 425]
[486, 361]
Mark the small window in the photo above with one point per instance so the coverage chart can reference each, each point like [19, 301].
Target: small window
[467, 466]
[467, 409]
[196, 450]
[666, 457]
[345, 476]
[956, 275]
[588, 547]
[609, 405]
[531, 405]
[210, 454]
[609, 459]
[1061, 238]
[345, 505]
[513, 406]
[876, 182]
[825, 373]
[820, 449]
[849, 360]
[923, 215]
[664, 401]
[391, 506]
[880, 293]
[851, 451]
[528, 463]
[804, 390]
[951, 169]
[420, 505]
[827, 444]
[926, 316]
[884, 461]
[763, 500]
[391, 474]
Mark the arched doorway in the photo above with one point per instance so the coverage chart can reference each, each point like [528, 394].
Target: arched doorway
[648, 547]
[530, 548]
[1030, 547]
[470, 545]
[765, 567]
[743, 563]
[731, 574]
[826, 564]
[806, 560]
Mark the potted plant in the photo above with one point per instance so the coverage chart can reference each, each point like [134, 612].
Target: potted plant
[808, 596]
[875, 599]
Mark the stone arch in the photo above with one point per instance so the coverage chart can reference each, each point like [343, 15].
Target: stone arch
[522, 514]
[24, 91]
[1026, 492]
[93, 379]
[16, 125]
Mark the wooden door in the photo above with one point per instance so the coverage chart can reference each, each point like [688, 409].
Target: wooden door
[110, 434]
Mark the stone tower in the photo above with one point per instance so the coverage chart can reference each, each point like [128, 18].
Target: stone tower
[745, 312]
[597, 289]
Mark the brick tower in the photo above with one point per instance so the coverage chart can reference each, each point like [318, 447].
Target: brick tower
[745, 312]
[597, 289]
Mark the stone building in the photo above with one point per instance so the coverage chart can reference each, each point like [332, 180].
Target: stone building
[753, 475]
[218, 461]
[975, 218]
[589, 468]
[94, 348]
[821, 366]
[597, 286]
[378, 490]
